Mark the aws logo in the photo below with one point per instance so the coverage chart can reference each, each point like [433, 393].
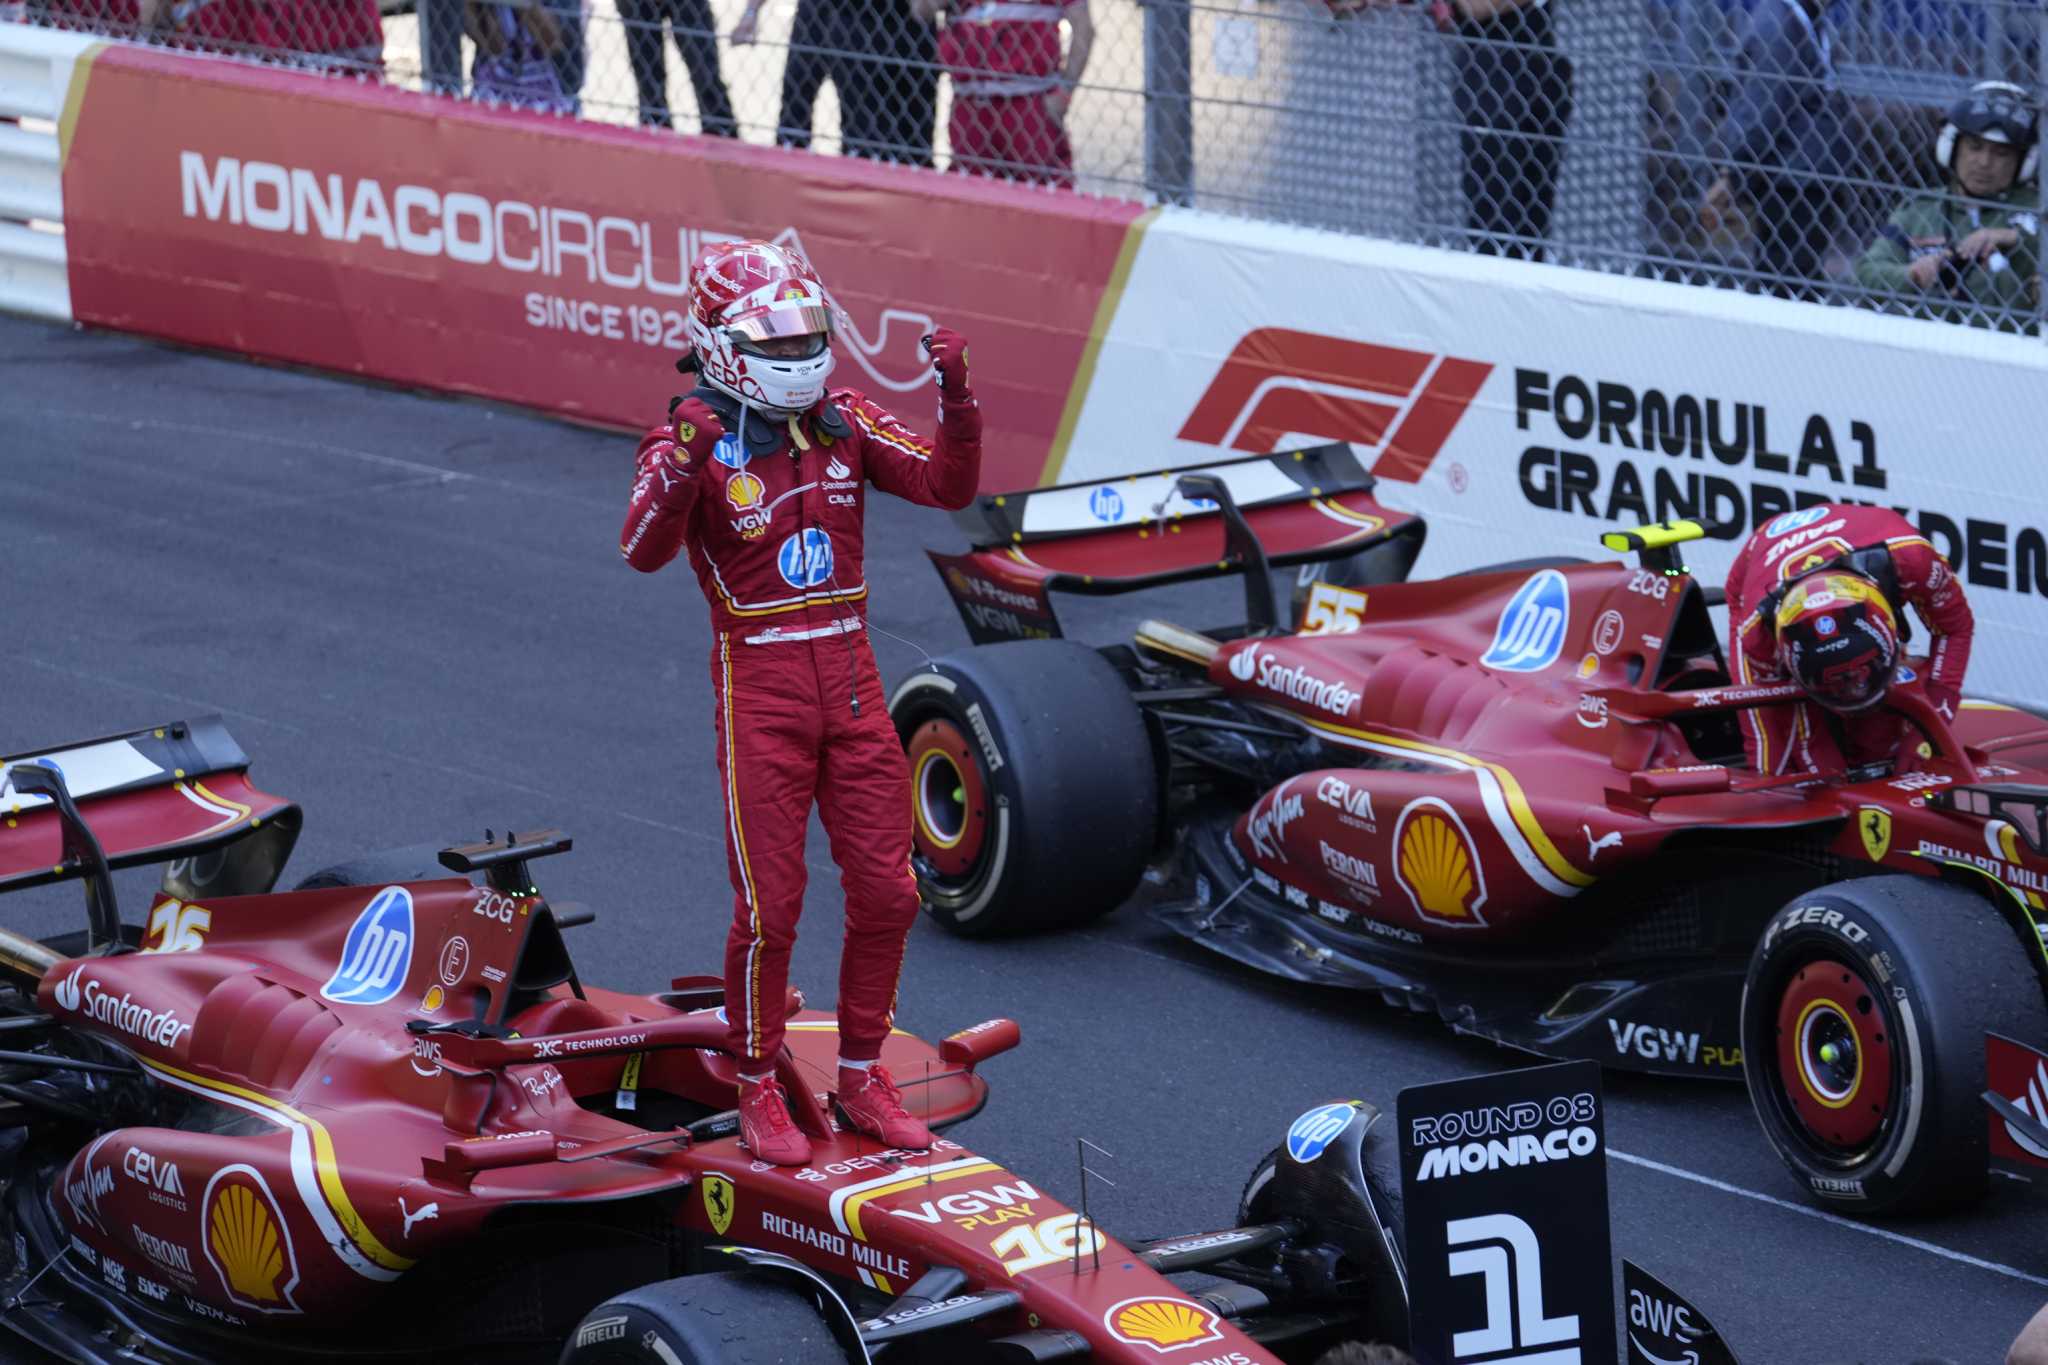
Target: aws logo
[1400, 404]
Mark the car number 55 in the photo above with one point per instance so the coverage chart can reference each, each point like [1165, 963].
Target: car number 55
[1332, 610]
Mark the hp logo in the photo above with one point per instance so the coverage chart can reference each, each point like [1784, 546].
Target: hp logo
[1532, 627]
[377, 953]
[806, 560]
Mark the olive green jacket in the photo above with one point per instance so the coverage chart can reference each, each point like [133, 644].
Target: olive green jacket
[1996, 293]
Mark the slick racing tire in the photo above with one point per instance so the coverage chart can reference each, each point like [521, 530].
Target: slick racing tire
[386, 867]
[1522, 565]
[718, 1319]
[1034, 787]
[1863, 1023]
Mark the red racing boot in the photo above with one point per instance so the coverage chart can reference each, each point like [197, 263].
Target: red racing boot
[766, 1127]
[873, 1104]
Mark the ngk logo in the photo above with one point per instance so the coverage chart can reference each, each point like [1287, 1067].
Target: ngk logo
[1401, 404]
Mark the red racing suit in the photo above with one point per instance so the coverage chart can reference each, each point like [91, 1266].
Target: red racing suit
[773, 525]
[1004, 58]
[1908, 569]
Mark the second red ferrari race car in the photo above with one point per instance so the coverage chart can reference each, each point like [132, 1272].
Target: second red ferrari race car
[1515, 797]
[382, 1118]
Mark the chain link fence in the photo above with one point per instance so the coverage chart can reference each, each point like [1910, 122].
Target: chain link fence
[1780, 146]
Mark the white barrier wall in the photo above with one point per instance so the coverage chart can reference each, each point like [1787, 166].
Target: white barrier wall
[1524, 409]
[35, 79]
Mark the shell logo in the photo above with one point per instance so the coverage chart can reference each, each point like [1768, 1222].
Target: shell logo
[247, 1242]
[743, 490]
[1437, 865]
[1161, 1323]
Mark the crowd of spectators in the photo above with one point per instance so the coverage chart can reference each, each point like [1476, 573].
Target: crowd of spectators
[1013, 64]
[1781, 197]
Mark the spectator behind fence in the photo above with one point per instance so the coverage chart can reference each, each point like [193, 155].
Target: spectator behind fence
[1011, 90]
[515, 47]
[697, 44]
[1970, 252]
[1514, 98]
[443, 22]
[879, 56]
[1783, 140]
[341, 35]
[227, 25]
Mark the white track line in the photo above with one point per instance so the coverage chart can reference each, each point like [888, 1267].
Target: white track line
[1809, 1211]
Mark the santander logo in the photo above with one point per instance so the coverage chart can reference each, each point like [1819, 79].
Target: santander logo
[1244, 664]
[67, 991]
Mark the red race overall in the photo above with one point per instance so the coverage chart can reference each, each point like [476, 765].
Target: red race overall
[1789, 739]
[771, 516]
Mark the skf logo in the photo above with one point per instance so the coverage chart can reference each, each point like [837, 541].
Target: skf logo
[1875, 825]
[718, 1202]
[1503, 1249]
[1436, 865]
[1401, 404]
[1161, 1323]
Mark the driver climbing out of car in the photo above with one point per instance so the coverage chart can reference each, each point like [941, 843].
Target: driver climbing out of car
[759, 474]
[1818, 597]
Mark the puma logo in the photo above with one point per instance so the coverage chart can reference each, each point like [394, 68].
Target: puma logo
[1593, 846]
[430, 1211]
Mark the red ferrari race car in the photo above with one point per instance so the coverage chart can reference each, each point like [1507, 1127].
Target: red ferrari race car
[1515, 797]
[381, 1118]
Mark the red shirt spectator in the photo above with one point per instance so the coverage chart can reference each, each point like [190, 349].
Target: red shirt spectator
[1010, 88]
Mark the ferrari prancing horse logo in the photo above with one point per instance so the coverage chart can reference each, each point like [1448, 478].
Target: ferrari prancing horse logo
[718, 1202]
[1875, 825]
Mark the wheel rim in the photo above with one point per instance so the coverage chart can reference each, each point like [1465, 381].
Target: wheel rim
[948, 799]
[1836, 1068]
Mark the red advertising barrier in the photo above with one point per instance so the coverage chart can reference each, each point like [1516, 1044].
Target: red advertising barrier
[542, 261]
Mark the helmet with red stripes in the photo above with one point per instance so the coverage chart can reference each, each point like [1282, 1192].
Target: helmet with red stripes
[1838, 639]
[760, 324]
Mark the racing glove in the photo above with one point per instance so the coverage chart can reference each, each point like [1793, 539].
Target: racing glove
[694, 429]
[948, 350]
[670, 462]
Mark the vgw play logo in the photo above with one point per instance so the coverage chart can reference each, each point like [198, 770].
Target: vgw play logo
[377, 954]
[1531, 630]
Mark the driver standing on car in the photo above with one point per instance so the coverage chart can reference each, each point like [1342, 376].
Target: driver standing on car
[759, 473]
[1818, 597]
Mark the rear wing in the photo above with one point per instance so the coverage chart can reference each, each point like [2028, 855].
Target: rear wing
[168, 792]
[1138, 531]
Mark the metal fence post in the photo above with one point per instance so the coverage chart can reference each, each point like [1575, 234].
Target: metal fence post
[1169, 100]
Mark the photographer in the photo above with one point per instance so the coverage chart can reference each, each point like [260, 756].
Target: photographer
[1970, 252]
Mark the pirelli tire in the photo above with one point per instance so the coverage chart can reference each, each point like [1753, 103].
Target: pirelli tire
[386, 867]
[717, 1319]
[1863, 1023]
[1034, 786]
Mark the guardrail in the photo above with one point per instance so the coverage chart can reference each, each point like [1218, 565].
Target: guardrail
[35, 78]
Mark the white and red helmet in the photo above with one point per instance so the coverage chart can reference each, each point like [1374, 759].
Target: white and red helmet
[743, 293]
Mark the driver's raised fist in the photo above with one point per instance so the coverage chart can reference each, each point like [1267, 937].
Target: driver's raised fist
[697, 429]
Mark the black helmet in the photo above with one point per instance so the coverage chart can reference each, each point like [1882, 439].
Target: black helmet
[1997, 111]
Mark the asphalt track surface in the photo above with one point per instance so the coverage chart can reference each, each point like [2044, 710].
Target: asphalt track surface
[412, 614]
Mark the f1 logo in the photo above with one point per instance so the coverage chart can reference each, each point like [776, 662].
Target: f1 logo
[1401, 404]
[1503, 1248]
